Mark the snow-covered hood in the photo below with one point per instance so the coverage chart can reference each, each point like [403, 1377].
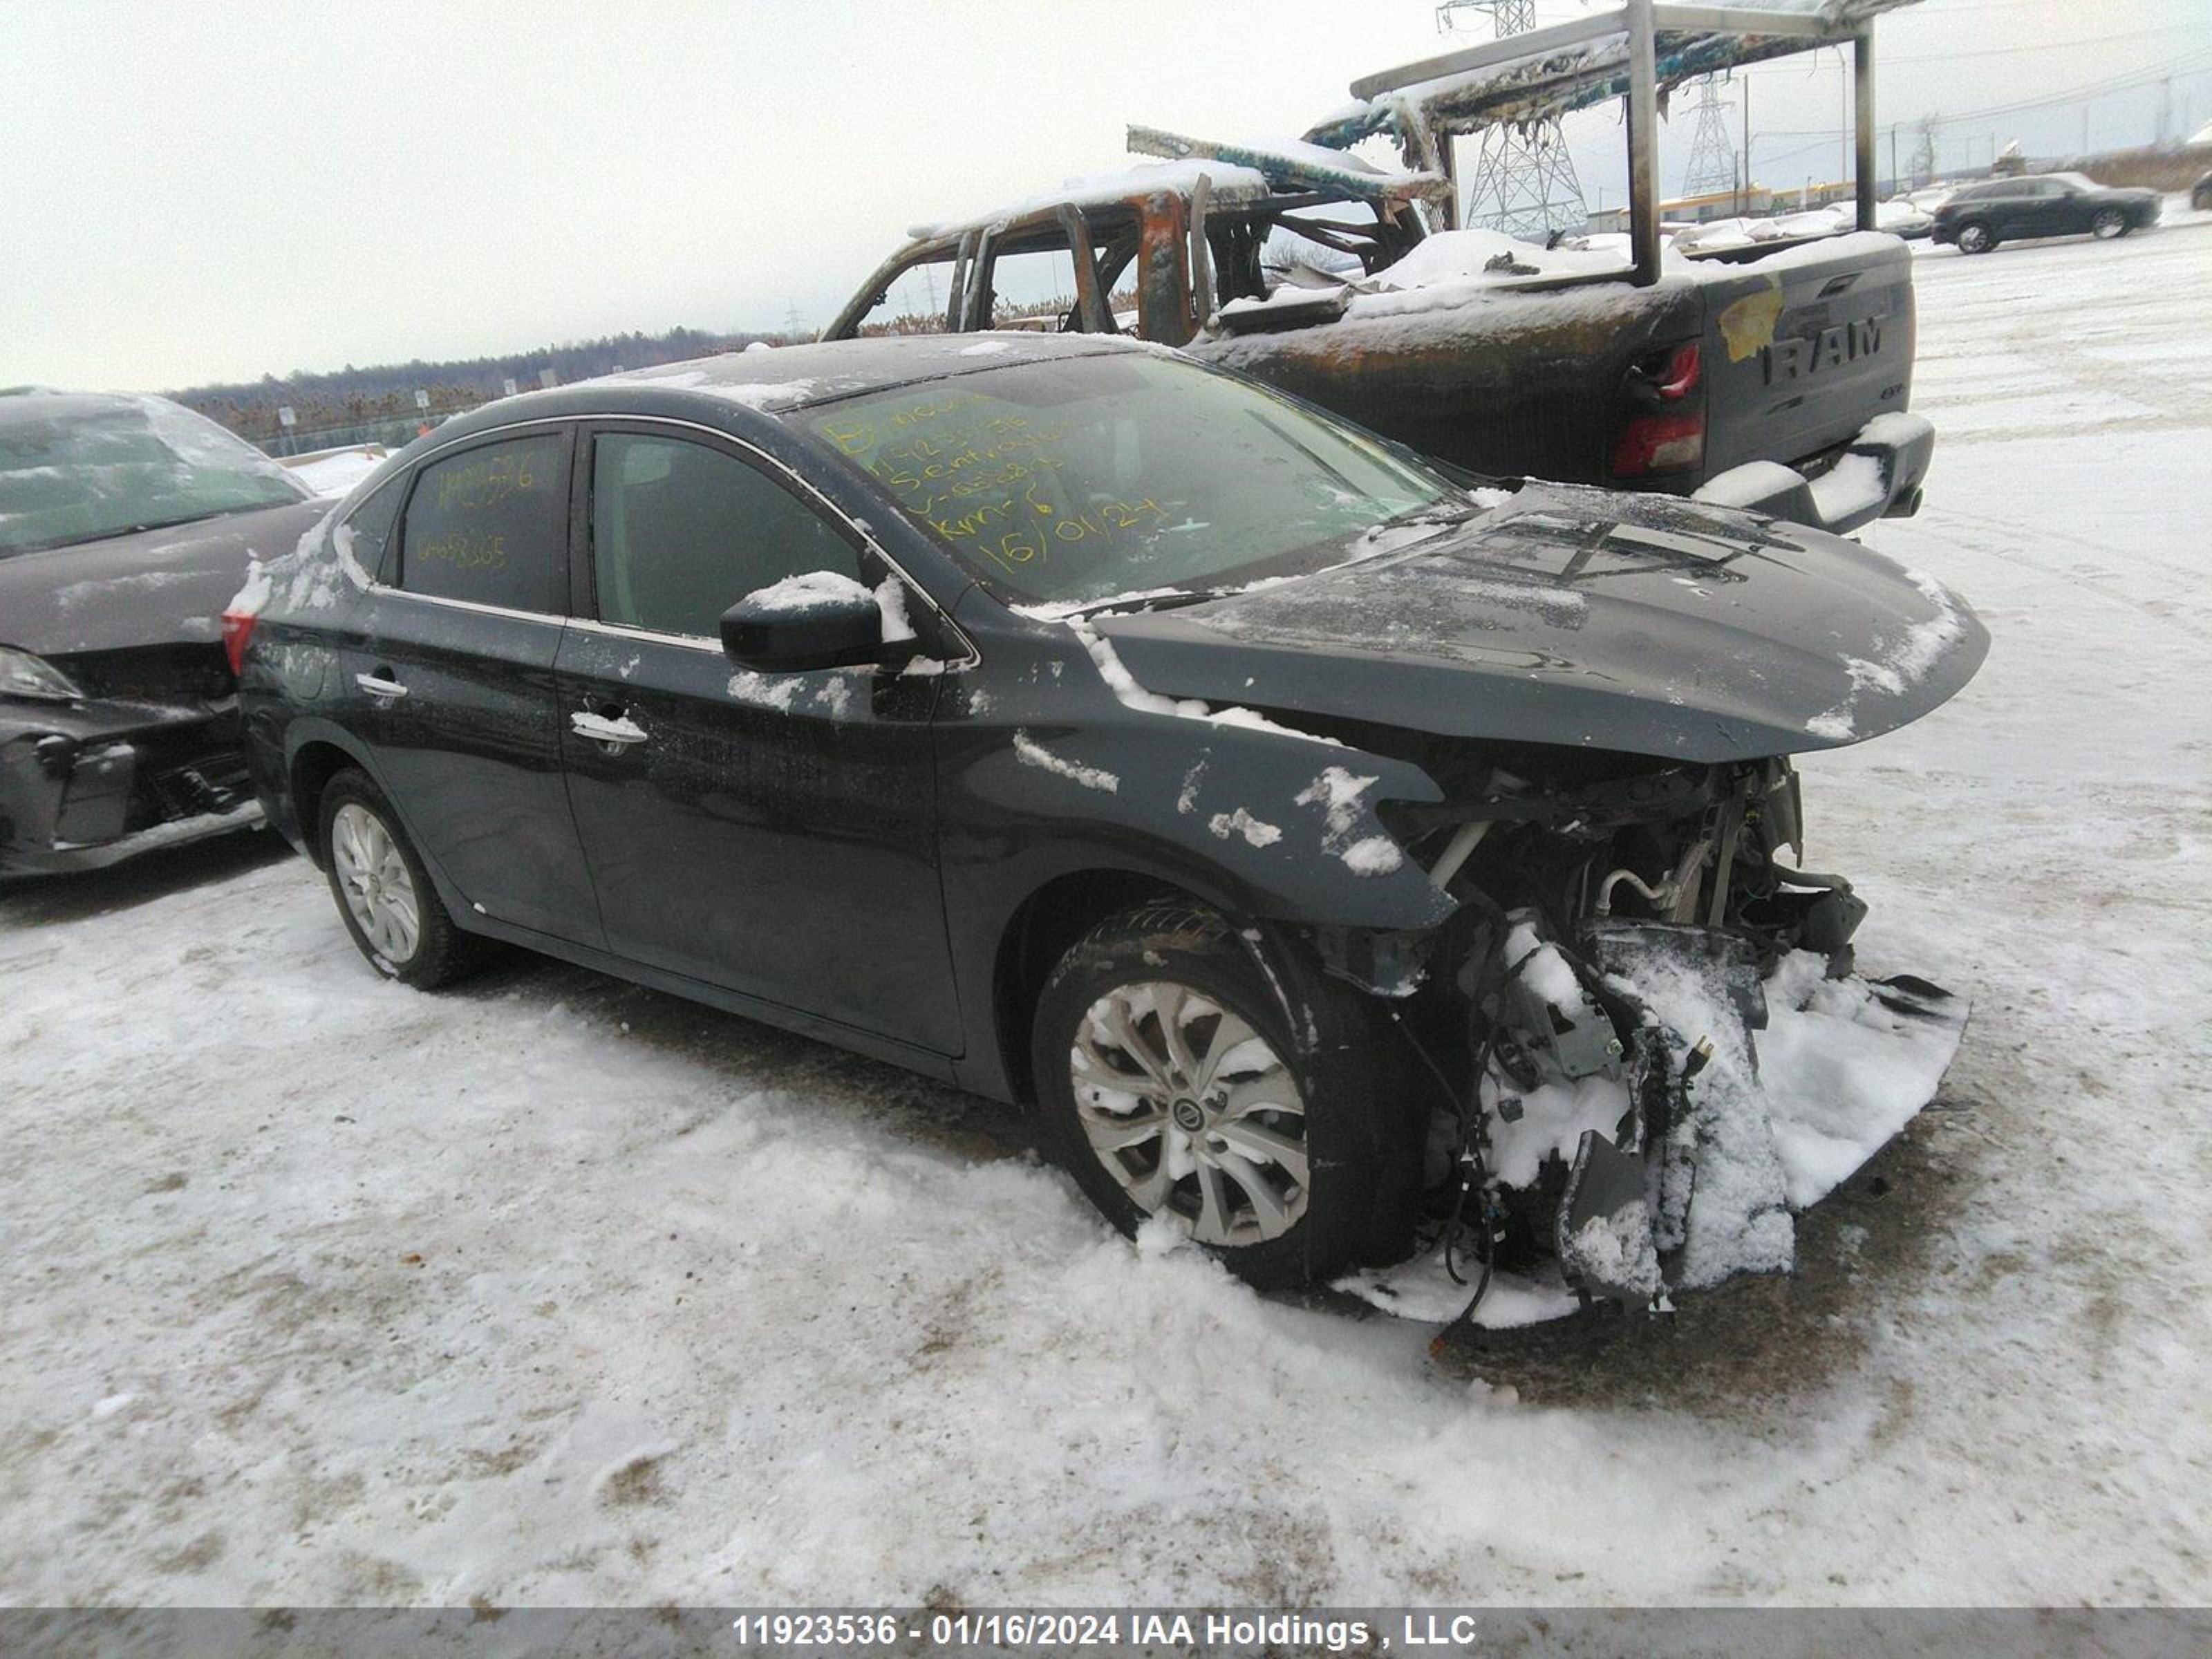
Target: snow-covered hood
[1640, 625]
[156, 587]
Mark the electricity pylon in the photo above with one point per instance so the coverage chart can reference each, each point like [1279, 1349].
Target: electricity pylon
[1712, 158]
[1524, 180]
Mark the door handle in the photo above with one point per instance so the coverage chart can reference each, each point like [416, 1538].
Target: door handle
[377, 685]
[617, 734]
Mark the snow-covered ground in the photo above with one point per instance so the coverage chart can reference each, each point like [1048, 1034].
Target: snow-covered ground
[550, 1290]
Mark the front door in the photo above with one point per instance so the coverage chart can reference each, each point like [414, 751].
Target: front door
[450, 680]
[776, 835]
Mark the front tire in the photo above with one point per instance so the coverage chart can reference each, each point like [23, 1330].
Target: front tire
[2108, 224]
[1171, 1086]
[1975, 237]
[384, 894]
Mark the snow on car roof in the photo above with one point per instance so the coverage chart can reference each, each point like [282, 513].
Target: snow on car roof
[791, 376]
[1294, 163]
[1226, 183]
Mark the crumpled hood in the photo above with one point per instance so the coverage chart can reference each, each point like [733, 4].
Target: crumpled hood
[1641, 624]
[157, 587]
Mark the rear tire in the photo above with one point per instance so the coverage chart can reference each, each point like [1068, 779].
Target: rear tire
[1170, 1085]
[384, 894]
[1976, 237]
[2108, 224]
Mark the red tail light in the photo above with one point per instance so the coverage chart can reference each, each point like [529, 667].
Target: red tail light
[1660, 443]
[237, 634]
[1685, 367]
[1665, 428]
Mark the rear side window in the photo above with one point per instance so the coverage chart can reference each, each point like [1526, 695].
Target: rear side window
[681, 532]
[487, 525]
[365, 534]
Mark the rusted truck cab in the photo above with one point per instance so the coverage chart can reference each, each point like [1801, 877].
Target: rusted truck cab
[1775, 376]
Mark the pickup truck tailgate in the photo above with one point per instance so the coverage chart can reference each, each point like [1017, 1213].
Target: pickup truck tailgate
[1805, 346]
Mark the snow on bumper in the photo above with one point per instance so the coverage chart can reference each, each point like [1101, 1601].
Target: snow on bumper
[1878, 474]
[1726, 1103]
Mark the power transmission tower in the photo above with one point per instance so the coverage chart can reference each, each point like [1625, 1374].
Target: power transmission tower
[1524, 180]
[1712, 158]
[1923, 156]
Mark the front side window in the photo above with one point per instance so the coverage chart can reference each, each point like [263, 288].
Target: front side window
[81, 470]
[1079, 479]
[681, 532]
[487, 525]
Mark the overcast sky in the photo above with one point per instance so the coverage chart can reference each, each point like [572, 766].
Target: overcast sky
[212, 190]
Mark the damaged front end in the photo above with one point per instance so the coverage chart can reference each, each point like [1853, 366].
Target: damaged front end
[1668, 1049]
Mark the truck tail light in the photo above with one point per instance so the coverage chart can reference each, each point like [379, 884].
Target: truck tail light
[237, 634]
[1665, 431]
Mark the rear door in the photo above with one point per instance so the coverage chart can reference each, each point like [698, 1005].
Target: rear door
[452, 681]
[774, 836]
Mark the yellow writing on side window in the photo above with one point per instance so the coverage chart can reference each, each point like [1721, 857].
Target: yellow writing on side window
[470, 486]
[464, 551]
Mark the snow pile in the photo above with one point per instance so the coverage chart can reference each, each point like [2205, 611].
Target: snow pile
[1616, 1249]
[1843, 1072]
[776, 691]
[1905, 662]
[1226, 183]
[1130, 695]
[308, 578]
[890, 599]
[336, 473]
[1257, 832]
[1486, 257]
[1337, 793]
[812, 590]
[1031, 752]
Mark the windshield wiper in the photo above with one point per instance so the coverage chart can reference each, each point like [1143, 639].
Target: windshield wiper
[1174, 601]
[1434, 512]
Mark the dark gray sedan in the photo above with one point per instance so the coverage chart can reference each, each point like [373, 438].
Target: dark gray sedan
[1077, 723]
[125, 523]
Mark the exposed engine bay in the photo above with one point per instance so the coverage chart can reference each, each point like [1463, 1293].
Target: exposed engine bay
[1650, 1042]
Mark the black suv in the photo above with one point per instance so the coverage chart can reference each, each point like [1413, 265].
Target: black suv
[1072, 721]
[1978, 216]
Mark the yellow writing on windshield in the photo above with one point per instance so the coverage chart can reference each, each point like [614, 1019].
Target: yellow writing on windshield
[984, 475]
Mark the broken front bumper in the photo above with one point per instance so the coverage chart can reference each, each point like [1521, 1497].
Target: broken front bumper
[1877, 475]
[1749, 1099]
[84, 785]
[1662, 1105]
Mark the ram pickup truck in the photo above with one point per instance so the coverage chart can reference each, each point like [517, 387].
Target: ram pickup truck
[1774, 376]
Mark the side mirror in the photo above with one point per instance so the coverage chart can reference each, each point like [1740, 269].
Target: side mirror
[819, 620]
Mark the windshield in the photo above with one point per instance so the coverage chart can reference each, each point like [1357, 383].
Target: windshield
[1086, 478]
[78, 470]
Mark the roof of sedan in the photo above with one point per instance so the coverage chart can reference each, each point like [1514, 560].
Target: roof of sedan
[22, 403]
[790, 377]
[777, 380]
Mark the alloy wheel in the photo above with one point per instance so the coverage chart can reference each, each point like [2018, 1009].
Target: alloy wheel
[2108, 224]
[1192, 1111]
[373, 876]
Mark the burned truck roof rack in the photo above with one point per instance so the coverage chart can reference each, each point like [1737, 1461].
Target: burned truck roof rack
[1641, 52]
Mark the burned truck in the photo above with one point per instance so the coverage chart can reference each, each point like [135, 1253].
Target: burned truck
[1775, 377]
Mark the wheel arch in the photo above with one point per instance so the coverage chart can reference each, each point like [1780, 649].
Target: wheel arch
[1041, 929]
[312, 766]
